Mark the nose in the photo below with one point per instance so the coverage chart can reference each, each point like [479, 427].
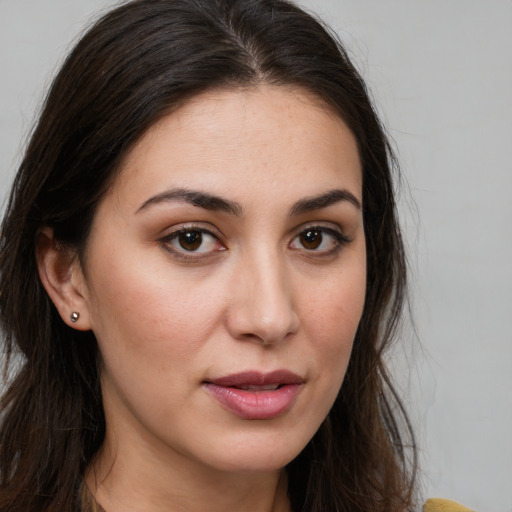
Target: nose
[261, 306]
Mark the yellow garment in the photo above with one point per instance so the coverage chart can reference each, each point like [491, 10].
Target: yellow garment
[440, 505]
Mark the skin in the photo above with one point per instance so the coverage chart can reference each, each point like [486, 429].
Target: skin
[253, 296]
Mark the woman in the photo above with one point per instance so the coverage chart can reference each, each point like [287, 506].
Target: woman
[201, 266]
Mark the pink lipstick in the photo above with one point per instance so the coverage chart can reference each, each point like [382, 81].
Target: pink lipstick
[255, 395]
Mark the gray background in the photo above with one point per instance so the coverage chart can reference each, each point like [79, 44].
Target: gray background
[441, 74]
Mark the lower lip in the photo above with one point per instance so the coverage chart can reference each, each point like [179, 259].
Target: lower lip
[255, 405]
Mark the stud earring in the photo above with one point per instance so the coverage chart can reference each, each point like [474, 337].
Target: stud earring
[75, 316]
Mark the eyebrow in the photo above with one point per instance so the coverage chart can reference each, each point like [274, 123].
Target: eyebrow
[323, 201]
[196, 198]
[215, 203]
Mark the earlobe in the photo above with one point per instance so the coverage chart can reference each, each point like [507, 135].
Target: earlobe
[62, 277]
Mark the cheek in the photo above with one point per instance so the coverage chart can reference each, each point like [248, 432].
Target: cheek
[152, 329]
[334, 308]
[331, 318]
[151, 313]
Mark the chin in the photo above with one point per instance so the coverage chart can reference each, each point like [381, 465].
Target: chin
[257, 456]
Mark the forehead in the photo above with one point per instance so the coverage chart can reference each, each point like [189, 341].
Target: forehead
[241, 138]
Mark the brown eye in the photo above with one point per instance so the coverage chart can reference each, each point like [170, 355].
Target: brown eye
[319, 240]
[192, 243]
[190, 240]
[311, 239]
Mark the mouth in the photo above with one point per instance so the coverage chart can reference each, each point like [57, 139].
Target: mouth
[256, 395]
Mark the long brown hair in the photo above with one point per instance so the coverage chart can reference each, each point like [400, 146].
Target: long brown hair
[134, 66]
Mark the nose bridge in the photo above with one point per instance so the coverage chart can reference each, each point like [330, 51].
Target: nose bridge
[264, 307]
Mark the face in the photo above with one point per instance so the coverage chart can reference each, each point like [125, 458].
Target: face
[224, 279]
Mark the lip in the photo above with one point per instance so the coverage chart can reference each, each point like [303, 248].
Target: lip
[259, 402]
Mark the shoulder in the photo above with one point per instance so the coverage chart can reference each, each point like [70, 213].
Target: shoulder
[440, 505]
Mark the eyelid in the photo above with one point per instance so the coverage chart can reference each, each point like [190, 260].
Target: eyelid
[204, 227]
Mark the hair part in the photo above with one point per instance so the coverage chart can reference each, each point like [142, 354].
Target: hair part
[137, 64]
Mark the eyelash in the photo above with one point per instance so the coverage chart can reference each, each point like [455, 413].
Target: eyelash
[339, 241]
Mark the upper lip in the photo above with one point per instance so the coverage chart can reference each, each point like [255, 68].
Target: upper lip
[257, 378]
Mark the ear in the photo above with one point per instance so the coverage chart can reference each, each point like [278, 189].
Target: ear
[62, 277]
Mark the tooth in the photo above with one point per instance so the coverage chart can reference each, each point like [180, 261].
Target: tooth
[266, 387]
